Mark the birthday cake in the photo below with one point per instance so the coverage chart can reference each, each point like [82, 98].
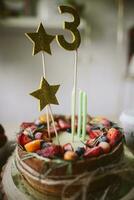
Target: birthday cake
[55, 152]
[45, 164]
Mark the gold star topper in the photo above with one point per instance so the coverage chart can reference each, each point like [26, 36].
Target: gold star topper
[46, 94]
[41, 40]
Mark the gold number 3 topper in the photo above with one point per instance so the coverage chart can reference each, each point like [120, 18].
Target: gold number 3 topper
[72, 26]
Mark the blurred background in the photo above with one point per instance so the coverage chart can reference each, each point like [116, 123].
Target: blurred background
[105, 62]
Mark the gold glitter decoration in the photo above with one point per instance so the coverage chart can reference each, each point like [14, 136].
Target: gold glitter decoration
[72, 27]
[41, 40]
[46, 94]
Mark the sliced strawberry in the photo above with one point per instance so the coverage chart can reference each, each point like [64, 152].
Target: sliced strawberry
[51, 151]
[63, 124]
[90, 142]
[95, 133]
[93, 152]
[23, 139]
[68, 147]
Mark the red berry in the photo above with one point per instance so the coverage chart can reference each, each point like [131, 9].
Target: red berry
[95, 133]
[114, 136]
[23, 139]
[63, 125]
[90, 142]
[93, 152]
[68, 147]
[25, 125]
[51, 151]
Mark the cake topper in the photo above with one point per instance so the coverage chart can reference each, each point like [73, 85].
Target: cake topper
[72, 27]
[46, 94]
[73, 46]
[41, 40]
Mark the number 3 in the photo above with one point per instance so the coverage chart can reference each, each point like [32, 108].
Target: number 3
[72, 26]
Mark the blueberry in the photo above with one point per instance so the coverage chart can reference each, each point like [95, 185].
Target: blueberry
[80, 151]
[102, 139]
[44, 144]
[68, 130]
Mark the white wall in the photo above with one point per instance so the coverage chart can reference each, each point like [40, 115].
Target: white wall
[101, 72]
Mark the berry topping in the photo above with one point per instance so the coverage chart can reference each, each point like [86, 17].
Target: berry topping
[102, 139]
[105, 146]
[63, 124]
[70, 155]
[114, 136]
[38, 135]
[68, 130]
[80, 151]
[23, 139]
[68, 147]
[33, 146]
[25, 125]
[51, 151]
[95, 133]
[93, 152]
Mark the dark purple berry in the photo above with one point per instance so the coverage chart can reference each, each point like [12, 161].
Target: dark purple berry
[80, 151]
[68, 130]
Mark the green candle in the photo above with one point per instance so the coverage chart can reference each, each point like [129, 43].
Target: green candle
[80, 114]
[84, 110]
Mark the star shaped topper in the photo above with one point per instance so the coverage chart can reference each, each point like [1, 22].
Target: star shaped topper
[41, 40]
[46, 94]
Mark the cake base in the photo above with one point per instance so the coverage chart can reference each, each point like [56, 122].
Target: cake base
[55, 182]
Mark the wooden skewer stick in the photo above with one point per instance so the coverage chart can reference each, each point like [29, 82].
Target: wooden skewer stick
[47, 110]
[51, 114]
[48, 107]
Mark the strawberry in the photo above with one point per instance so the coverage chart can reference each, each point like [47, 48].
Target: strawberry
[51, 151]
[63, 125]
[68, 147]
[90, 142]
[93, 152]
[23, 139]
[114, 136]
[95, 133]
[25, 125]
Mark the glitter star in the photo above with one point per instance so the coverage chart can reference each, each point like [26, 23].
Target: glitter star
[46, 94]
[41, 40]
